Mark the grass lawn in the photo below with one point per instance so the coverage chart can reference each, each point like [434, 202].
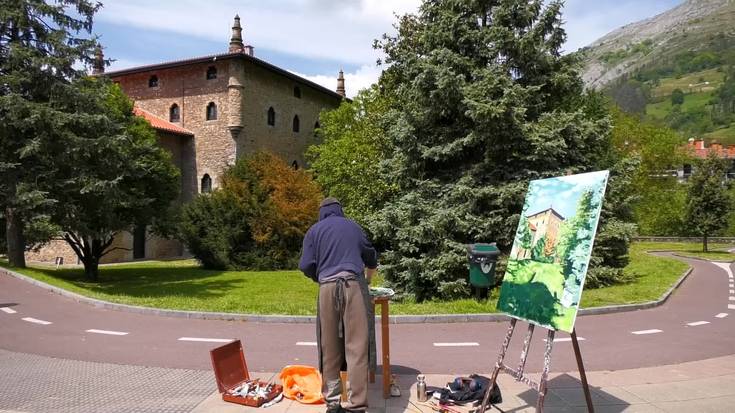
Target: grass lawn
[725, 136]
[667, 85]
[183, 285]
[691, 101]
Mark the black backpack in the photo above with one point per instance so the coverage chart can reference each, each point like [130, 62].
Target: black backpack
[465, 390]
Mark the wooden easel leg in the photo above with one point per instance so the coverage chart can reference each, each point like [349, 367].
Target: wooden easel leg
[582, 375]
[545, 372]
[526, 346]
[496, 370]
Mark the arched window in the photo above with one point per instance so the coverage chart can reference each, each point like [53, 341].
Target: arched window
[153, 81]
[271, 116]
[295, 165]
[211, 73]
[206, 184]
[211, 111]
[296, 123]
[297, 92]
[173, 113]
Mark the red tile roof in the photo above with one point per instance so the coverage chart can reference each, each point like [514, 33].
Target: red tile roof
[696, 148]
[161, 124]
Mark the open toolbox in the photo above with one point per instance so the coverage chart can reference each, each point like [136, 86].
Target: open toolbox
[233, 379]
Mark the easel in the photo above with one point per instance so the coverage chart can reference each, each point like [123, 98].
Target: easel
[540, 387]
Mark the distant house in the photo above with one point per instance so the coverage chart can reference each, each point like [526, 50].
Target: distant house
[544, 224]
[696, 149]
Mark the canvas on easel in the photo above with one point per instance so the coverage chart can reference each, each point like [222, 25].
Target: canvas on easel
[547, 267]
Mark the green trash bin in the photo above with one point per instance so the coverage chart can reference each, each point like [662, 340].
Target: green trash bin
[483, 258]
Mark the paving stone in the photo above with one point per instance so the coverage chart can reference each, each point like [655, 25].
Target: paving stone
[38, 384]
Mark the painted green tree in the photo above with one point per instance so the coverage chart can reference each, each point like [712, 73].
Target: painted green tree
[537, 253]
[578, 242]
[483, 102]
[708, 200]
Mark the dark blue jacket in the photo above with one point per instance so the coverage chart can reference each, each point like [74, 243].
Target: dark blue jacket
[335, 244]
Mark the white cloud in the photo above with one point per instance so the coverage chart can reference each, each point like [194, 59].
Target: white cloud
[354, 82]
[322, 29]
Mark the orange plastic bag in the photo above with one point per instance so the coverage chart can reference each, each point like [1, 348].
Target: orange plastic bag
[302, 383]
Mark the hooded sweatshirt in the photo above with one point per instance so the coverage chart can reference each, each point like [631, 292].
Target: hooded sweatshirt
[334, 245]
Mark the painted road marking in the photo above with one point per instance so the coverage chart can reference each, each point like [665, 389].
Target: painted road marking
[108, 332]
[206, 340]
[732, 298]
[731, 306]
[306, 343]
[698, 323]
[721, 315]
[652, 331]
[8, 310]
[456, 344]
[564, 339]
[732, 291]
[36, 321]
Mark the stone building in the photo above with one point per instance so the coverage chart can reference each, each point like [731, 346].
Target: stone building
[209, 111]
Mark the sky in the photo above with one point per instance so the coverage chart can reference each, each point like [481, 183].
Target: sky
[312, 38]
[561, 193]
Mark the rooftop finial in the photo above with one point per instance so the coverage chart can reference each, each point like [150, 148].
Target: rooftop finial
[236, 45]
[98, 67]
[341, 84]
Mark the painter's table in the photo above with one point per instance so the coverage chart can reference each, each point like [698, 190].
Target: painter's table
[383, 301]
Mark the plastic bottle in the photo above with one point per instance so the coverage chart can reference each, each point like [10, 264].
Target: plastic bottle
[421, 388]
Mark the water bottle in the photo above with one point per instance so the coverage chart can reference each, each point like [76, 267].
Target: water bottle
[421, 388]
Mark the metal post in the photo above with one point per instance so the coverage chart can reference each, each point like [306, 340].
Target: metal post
[545, 372]
[498, 364]
[582, 375]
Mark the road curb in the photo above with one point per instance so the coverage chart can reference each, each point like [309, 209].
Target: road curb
[394, 319]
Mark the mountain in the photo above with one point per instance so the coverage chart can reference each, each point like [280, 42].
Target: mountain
[694, 25]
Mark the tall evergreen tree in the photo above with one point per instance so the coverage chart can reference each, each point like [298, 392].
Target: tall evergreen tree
[484, 101]
[40, 44]
[708, 200]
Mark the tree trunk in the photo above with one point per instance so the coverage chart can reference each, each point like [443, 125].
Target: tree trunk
[704, 243]
[91, 268]
[15, 240]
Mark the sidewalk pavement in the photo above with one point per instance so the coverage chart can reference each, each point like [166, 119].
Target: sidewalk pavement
[700, 386]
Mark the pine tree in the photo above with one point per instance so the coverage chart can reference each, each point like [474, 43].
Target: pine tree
[484, 101]
[40, 45]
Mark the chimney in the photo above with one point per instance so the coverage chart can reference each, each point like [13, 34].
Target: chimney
[236, 45]
[98, 67]
[731, 151]
[341, 84]
[699, 144]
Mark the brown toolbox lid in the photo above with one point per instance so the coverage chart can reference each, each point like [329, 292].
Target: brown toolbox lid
[229, 366]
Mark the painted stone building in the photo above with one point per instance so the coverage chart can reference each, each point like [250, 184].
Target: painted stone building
[544, 225]
[209, 111]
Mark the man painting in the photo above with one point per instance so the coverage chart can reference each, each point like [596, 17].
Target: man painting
[337, 255]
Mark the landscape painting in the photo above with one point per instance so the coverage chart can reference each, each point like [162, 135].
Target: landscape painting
[548, 262]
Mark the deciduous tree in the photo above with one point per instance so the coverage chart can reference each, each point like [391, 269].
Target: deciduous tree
[708, 200]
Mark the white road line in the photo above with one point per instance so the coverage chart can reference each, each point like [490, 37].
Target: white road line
[732, 298]
[108, 332]
[37, 321]
[206, 340]
[564, 339]
[8, 310]
[721, 315]
[698, 323]
[732, 291]
[306, 343]
[732, 285]
[456, 344]
[652, 331]
[731, 306]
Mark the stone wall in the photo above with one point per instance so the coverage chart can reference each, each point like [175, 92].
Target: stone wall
[264, 89]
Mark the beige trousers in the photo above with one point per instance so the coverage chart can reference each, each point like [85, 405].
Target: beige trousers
[343, 301]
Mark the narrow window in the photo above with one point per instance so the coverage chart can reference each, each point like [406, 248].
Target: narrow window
[295, 165]
[296, 123]
[271, 116]
[687, 169]
[297, 92]
[316, 128]
[206, 184]
[173, 113]
[211, 111]
[153, 81]
[211, 73]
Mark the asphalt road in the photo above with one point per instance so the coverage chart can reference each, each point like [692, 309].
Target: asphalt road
[696, 323]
